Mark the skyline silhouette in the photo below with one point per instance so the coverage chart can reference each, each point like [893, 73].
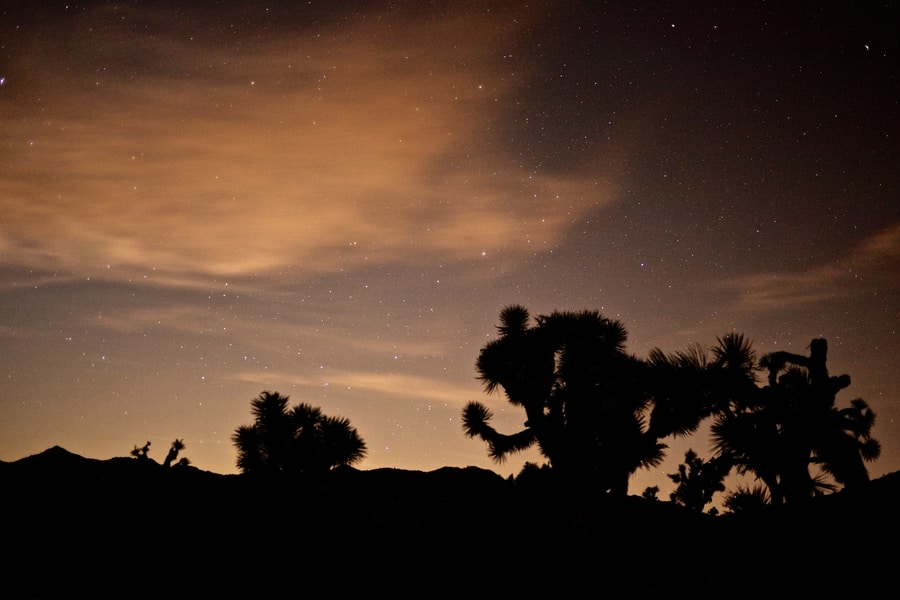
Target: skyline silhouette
[522, 538]
[335, 202]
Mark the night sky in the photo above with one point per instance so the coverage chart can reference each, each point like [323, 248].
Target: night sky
[200, 201]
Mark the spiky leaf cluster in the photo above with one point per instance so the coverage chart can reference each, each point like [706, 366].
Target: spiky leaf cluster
[300, 440]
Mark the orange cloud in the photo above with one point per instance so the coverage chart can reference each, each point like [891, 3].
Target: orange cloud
[304, 152]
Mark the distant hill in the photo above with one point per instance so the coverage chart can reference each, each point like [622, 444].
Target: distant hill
[127, 527]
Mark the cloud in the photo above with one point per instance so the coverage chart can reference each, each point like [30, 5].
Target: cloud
[192, 156]
[369, 384]
[868, 268]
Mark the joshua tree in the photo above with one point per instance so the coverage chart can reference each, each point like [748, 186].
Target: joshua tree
[141, 453]
[651, 493]
[581, 392]
[698, 480]
[177, 446]
[297, 441]
[792, 423]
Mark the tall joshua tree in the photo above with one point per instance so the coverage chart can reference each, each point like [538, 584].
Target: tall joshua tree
[581, 393]
[296, 441]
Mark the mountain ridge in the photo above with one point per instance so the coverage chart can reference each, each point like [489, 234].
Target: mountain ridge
[456, 531]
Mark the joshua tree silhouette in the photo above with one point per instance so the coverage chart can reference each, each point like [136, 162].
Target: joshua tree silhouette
[698, 480]
[141, 453]
[177, 446]
[779, 431]
[583, 402]
[297, 441]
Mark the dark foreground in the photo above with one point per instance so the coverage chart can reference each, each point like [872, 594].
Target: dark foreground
[77, 527]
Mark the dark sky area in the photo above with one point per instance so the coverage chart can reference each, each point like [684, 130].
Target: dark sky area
[200, 201]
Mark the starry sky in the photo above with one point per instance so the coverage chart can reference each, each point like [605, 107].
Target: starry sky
[334, 200]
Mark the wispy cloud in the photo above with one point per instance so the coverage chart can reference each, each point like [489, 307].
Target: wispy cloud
[868, 268]
[371, 384]
[188, 156]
